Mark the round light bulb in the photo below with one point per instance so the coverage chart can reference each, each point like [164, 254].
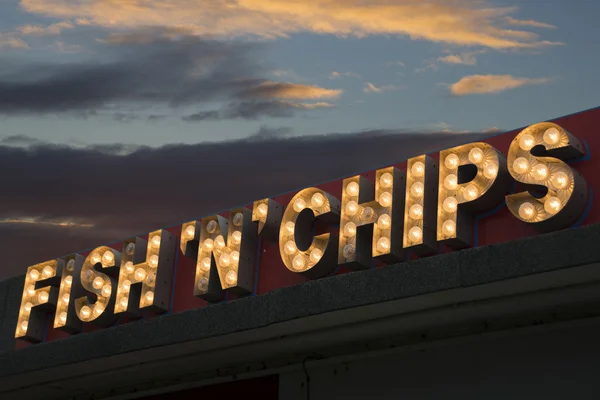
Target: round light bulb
[126, 285]
[415, 234]
[417, 189]
[526, 142]
[416, 211]
[348, 251]
[208, 245]
[317, 200]
[129, 267]
[450, 204]
[95, 258]
[43, 297]
[31, 290]
[140, 274]
[451, 161]
[205, 263]
[351, 208]
[85, 312]
[28, 306]
[130, 248]
[471, 192]
[299, 262]
[262, 210]
[65, 298]
[350, 229]
[231, 277]
[551, 136]
[124, 302]
[290, 248]
[367, 214]
[539, 172]
[203, 284]
[34, 274]
[24, 326]
[211, 226]
[219, 242]
[552, 205]
[71, 265]
[98, 310]
[560, 180]
[236, 237]
[156, 241]
[449, 228]
[385, 199]
[418, 169]
[68, 280]
[352, 189]
[88, 275]
[383, 245]
[62, 317]
[47, 271]
[289, 227]
[108, 257]
[451, 182]
[490, 171]
[315, 255]
[235, 257]
[299, 204]
[238, 219]
[384, 221]
[153, 261]
[98, 283]
[190, 231]
[476, 155]
[386, 180]
[149, 297]
[225, 259]
[106, 291]
[527, 211]
[521, 165]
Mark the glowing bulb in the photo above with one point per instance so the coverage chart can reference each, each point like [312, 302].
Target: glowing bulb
[211, 226]
[521, 165]
[348, 251]
[156, 241]
[130, 248]
[95, 258]
[23, 326]
[106, 291]
[126, 285]
[385, 199]
[476, 155]
[88, 275]
[149, 297]
[124, 302]
[551, 136]
[418, 169]
[299, 204]
[98, 283]
[108, 257]
[231, 278]
[368, 214]
[451, 161]
[153, 261]
[85, 312]
[71, 265]
[289, 227]
[317, 200]
[350, 229]
[219, 242]
[203, 284]
[31, 290]
[225, 259]
[290, 248]
[383, 245]
[471, 192]
[527, 211]
[129, 267]
[205, 263]
[384, 221]
[98, 310]
[386, 179]
[28, 307]
[539, 172]
[43, 297]
[560, 180]
[315, 255]
[552, 205]
[238, 219]
[62, 317]
[47, 271]
[65, 298]
[236, 237]
[190, 231]
[235, 257]
[450, 204]
[490, 171]
[34, 274]
[68, 280]
[299, 262]
[417, 189]
[416, 211]
[140, 274]
[208, 244]
[526, 142]
[451, 182]
[448, 228]
[352, 189]
[415, 234]
[262, 210]
[351, 208]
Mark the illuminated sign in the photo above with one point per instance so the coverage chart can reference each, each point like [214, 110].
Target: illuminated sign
[432, 204]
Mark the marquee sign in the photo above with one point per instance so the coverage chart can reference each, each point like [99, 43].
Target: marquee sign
[464, 196]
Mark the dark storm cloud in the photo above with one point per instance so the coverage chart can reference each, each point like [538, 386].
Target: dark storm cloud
[150, 188]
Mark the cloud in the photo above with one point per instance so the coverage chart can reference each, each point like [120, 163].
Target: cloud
[123, 190]
[252, 110]
[458, 22]
[10, 40]
[370, 88]
[394, 63]
[288, 91]
[54, 29]
[529, 22]
[483, 84]
[459, 59]
[338, 75]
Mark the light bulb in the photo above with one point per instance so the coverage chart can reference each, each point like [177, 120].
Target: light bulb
[88, 275]
[225, 260]
[203, 284]
[416, 211]
[231, 278]
[140, 274]
[289, 227]
[219, 242]
[299, 262]
[350, 229]
[130, 248]
[34, 274]
[149, 297]
[208, 245]
[449, 228]
[385, 199]
[299, 204]
[190, 231]
[24, 326]
[386, 180]
[367, 214]
[98, 283]
[560, 180]
[156, 241]
[415, 234]
[521, 165]
[31, 290]
[539, 172]
[348, 251]
[238, 219]
[315, 255]
[418, 169]
[551, 136]
[384, 221]
[126, 285]
[108, 257]
[153, 261]
[262, 210]
[211, 226]
[47, 271]
[205, 263]
[451, 161]
[527, 211]
[95, 258]
[417, 189]
[352, 189]
[43, 297]
[351, 208]
[106, 291]
[124, 302]
[71, 265]
[85, 312]
[451, 182]
[476, 155]
[450, 204]
[28, 306]
[62, 317]
[68, 280]
[490, 171]
[317, 200]
[65, 298]
[471, 192]
[383, 245]
[290, 247]
[526, 142]
[235, 257]
[236, 237]
[98, 310]
[552, 205]
[129, 267]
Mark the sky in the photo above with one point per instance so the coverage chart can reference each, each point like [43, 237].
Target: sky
[94, 94]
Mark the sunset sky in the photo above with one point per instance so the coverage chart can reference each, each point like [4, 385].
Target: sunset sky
[93, 80]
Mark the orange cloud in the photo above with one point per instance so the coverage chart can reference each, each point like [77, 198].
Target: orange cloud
[54, 29]
[370, 88]
[483, 84]
[528, 22]
[460, 22]
[459, 59]
[291, 91]
[8, 40]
